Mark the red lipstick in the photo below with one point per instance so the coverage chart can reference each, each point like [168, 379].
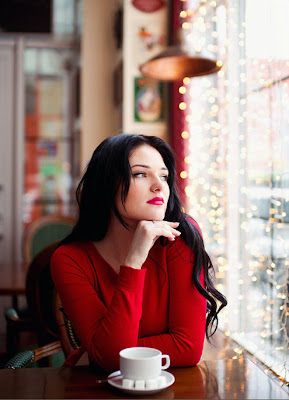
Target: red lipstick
[157, 201]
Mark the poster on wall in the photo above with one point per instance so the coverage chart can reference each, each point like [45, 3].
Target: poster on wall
[148, 100]
[148, 41]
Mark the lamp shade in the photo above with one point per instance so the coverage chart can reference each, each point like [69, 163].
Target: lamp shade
[174, 63]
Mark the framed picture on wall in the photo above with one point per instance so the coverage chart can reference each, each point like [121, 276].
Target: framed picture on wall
[148, 100]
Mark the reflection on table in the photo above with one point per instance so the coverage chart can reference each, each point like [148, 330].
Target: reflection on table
[218, 379]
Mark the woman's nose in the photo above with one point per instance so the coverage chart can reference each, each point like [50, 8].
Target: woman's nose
[156, 185]
[155, 188]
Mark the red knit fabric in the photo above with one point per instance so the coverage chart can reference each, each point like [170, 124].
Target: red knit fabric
[157, 306]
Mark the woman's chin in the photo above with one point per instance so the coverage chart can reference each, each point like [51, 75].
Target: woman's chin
[147, 216]
[157, 217]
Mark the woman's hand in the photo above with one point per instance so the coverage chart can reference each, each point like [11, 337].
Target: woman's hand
[147, 232]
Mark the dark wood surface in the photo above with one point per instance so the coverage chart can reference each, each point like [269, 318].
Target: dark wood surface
[12, 279]
[213, 379]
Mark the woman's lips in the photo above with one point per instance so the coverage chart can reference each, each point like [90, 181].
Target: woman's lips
[158, 201]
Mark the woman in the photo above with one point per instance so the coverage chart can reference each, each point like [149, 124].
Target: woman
[134, 271]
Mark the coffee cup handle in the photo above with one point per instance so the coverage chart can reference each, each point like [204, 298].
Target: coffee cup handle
[167, 364]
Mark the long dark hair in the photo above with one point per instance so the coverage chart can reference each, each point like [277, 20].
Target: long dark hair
[108, 170]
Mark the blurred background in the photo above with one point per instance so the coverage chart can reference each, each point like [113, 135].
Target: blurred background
[70, 77]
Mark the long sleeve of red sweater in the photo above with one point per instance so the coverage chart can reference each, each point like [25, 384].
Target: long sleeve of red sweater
[102, 330]
[184, 339]
[157, 306]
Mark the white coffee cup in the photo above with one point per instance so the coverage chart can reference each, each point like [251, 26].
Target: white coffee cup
[142, 363]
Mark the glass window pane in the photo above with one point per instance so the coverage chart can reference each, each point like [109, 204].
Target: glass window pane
[45, 107]
[53, 62]
[51, 94]
[30, 61]
[51, 140]
[63, 16]
[48, 179]
[236, 166]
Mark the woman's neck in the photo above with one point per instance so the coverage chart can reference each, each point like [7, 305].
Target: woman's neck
[116, 243]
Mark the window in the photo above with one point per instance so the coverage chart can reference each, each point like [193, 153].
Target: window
[51, 79]
[51, 140]
[236, 165]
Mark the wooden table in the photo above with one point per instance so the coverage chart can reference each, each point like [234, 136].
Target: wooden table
[216, 379]
[12, 281]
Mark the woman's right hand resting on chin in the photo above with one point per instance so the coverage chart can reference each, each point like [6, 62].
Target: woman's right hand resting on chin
[146, 234]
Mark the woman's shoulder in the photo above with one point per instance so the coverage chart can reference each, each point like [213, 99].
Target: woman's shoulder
[74, 253]
[73, 248]
[194, 223]
[74, 259]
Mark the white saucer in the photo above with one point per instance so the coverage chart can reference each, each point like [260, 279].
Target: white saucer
[115, 379]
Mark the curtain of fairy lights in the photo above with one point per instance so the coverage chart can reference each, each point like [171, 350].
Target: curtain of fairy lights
[237, 165]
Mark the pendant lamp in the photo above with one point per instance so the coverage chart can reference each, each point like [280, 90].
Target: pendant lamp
[174, 64]
[179, 61]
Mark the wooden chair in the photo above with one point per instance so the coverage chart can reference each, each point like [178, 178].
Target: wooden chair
[39, 297]
[67, 343]
[42, 234]
[26, 358]
[66, 333]
[44, 231]
[55, 332]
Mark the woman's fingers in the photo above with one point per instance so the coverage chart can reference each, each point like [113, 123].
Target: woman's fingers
[166, 228]
[174, 224]
[171, 233]
[171, 224]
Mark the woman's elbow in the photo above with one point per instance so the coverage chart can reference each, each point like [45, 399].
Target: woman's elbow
[187, 360]
[189, 356]
[106, 353]
[108, 361]
[194, 359]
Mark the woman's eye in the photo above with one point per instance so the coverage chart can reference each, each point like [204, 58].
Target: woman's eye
[139, 175]
[164, 177]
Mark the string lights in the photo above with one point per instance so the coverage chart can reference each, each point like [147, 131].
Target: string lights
[236, 170]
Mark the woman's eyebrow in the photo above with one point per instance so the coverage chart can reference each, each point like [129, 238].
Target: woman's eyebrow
[147, 166]
[140, 165]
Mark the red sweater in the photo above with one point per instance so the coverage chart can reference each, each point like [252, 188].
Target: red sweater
[157, 306]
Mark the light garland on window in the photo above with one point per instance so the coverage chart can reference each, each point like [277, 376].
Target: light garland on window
[260, 93]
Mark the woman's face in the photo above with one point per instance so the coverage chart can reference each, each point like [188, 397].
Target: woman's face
[149, 191]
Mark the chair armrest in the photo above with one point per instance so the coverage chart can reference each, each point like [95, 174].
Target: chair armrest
[16, 321]
[11, 314]
[47, 350]
[27, 357]
[21, 360]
